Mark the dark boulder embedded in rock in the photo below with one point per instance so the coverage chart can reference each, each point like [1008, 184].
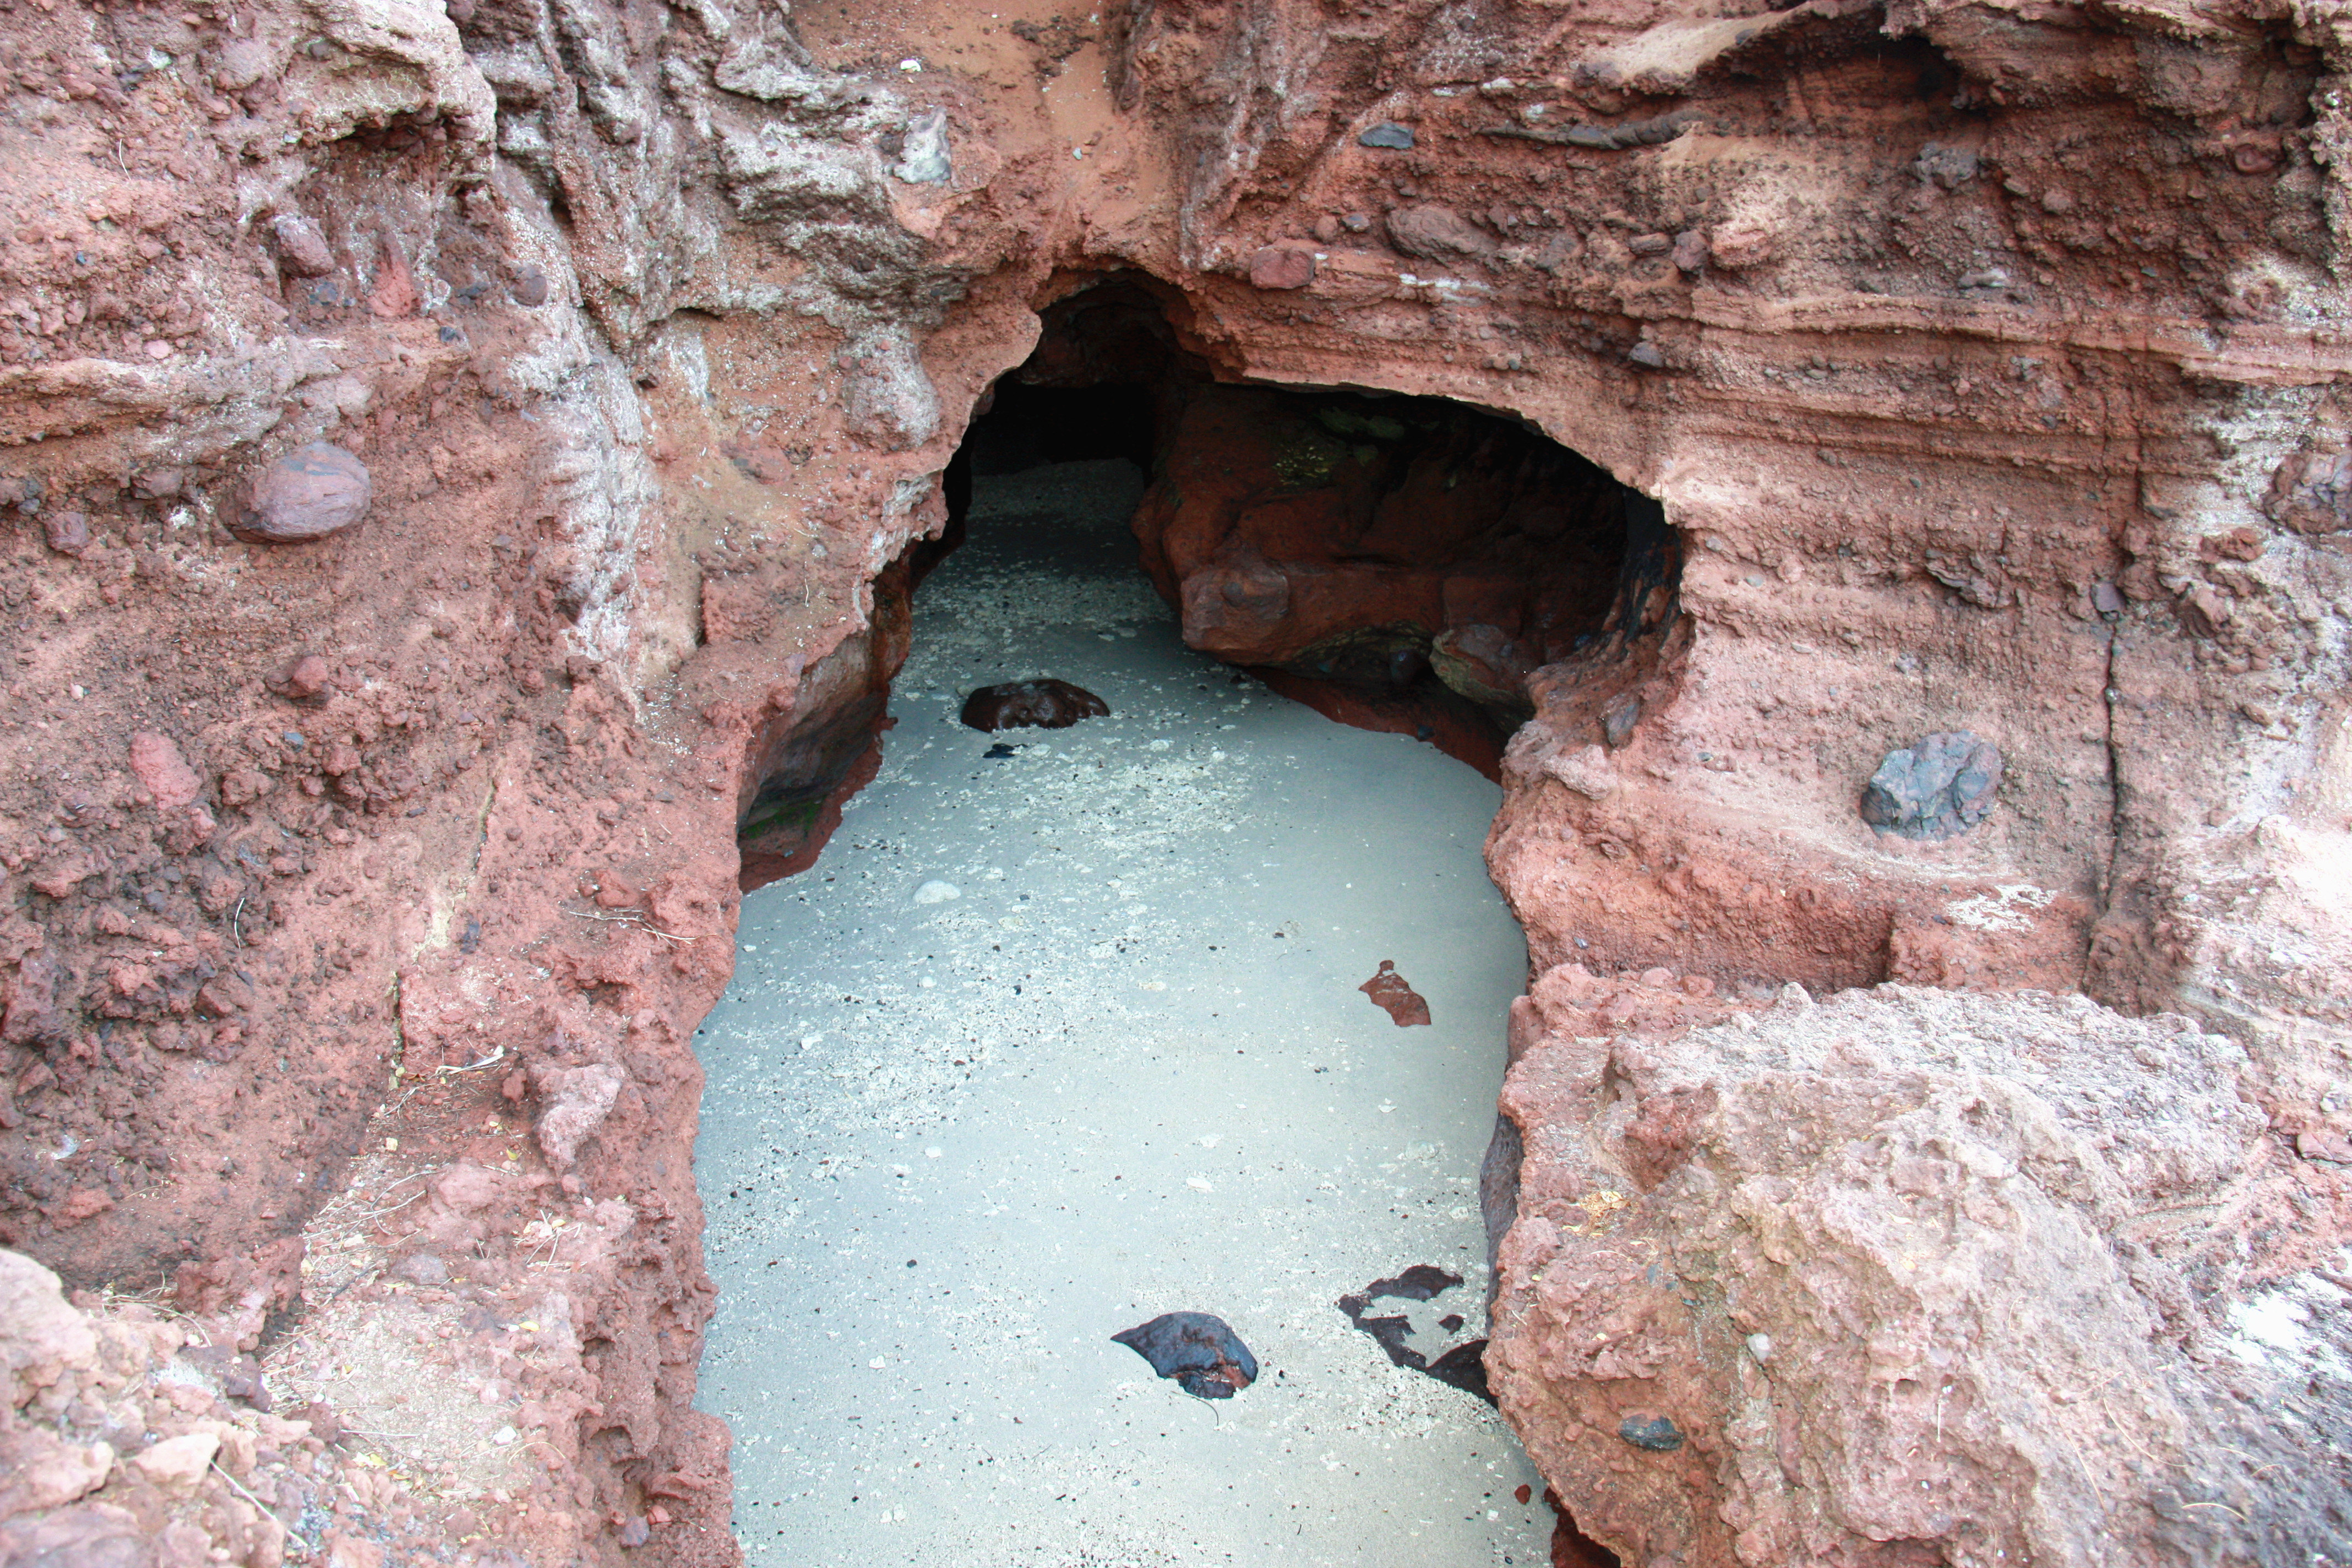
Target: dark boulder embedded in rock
[1390, 993]
[1461, 1367]
[1656, 1434]
[1200, 1351]
[312, 491]
[1044, 704]
[1940, 786]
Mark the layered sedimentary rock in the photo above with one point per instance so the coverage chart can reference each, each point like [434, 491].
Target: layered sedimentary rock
[1982, 361]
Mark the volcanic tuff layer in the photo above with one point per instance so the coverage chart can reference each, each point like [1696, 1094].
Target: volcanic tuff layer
[1986, 361]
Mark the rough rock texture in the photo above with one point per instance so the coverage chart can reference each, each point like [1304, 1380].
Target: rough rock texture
[1982, 362]
[131, 1438]
[1917, 1276]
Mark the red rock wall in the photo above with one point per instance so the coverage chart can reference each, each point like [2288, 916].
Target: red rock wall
[1985, 361]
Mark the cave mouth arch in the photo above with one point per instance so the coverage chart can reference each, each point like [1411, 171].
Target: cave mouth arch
[1397, 562]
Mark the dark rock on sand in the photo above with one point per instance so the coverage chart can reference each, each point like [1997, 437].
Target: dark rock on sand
[1202, 1352]
[1462, 1366]
[1044, 704]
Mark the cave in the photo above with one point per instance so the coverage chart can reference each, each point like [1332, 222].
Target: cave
[1398, 563]
[501, 502]
[1038, 1032]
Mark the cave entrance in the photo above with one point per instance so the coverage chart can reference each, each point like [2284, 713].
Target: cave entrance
[1398, 563]
[1066, 1029]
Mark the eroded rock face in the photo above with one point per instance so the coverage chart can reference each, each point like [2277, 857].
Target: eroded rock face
[652, 329]
[1914, 1276]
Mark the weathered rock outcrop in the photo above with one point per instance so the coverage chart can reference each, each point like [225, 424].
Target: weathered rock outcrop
[1915, 1275]
[1983, 361]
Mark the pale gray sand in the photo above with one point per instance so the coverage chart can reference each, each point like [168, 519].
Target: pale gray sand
[950, 1148]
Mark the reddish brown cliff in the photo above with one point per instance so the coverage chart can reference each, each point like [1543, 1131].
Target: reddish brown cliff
[1982, 361]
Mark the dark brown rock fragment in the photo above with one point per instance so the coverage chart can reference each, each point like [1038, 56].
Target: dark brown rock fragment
[1392, 996]
[1044, 704]
[303, 250]
[68, 531]
[1282, 267]
[1200, 1351]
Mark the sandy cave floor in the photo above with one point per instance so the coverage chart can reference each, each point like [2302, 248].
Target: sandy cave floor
[949, 1147]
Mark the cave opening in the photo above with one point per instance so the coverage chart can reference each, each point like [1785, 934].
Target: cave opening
[1398, 562]
[1071, 1028]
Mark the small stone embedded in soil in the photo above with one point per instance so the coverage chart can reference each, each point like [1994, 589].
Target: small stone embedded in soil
[1044, 704]
[1390, 993]
[937, 892]
[1940, 786]
[1617, 725]
[68, 531]
[303, 250]
[1200, 1351]
[1282, 267]
[1654, 1433]
[176, 1464]
[1387, 134]
[302, 679]
[162, 771]
[310, 492]
[422, 1268]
